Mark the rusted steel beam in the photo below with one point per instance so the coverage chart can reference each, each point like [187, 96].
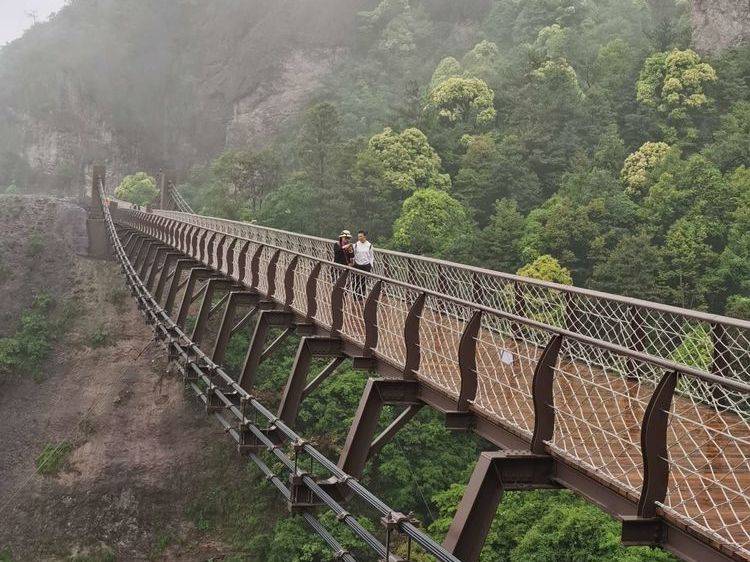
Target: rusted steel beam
[395, 426]
[268, 351]
[273, 264]
[240, 272]
[377, 393]
[371, 317]
[411, 337]
[289, 281]
[204, 313]
[236, 300]
[326, 372]
[194, 275]
[467, 362]
[311, 291]
[266, 320]
[157, 265]
[337, 302]
[255, 266]
[294, 391]
[543, 396]
[654, 446]
[167, 273]
[181, 266]
[493, 474]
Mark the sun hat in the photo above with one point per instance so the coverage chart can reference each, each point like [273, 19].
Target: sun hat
[345, 234]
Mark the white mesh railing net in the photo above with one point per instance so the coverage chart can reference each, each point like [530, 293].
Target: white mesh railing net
[600, 393]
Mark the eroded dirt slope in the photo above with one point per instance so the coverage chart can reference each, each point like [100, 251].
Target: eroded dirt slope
[137, 443]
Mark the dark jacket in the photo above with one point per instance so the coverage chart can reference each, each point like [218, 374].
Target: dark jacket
[340, 255]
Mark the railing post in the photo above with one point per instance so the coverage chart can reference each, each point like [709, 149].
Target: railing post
[637, 339]
[467, 361]
[654, 446]
[719, 363]
[519, 308]
[371, 317]
[311, 291]
[411, 337]
[337, 302]
[255, 266]
[239, 274]
[543, 396]
[289, 281]
[271, 273]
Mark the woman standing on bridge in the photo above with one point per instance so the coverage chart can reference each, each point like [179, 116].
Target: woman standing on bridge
[343, 252]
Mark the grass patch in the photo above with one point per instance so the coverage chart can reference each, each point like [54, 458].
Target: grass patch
[36, 245]
[99, 337]
[26, 350]
[163, 542]
[117, 297]
[6, 555]
[53, 458]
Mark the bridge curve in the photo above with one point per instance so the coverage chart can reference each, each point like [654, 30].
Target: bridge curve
[594, 392]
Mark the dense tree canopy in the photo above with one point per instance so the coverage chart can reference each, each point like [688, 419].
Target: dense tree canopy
[139, 189]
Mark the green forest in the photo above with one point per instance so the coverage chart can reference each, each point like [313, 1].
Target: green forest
[585, 131]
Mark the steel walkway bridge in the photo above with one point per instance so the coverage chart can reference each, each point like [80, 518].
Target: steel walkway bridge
[641, 408]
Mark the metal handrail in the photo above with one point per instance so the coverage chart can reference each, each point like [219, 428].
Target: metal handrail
[660, 307]
[531, 323]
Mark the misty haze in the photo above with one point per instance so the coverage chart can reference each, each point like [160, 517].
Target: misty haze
[375, 280]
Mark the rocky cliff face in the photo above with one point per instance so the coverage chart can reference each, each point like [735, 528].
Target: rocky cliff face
[147, 84]
[718, 24]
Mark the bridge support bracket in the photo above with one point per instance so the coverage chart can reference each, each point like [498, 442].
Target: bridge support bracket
[460, 421]
[494, 473]
[642, 531]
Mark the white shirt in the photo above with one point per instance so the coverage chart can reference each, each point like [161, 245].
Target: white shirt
[363, 253]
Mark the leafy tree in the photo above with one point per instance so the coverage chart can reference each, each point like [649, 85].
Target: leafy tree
[248, 176]
[731, 146]
[430, 222]
[634, 268]
[547, 268]
[500, 244]
[407, 161]
[482, 62]
[290, 207]
[738, 306]
[673, 83]
[609, 153]
[449, 67]
[139, 189]
[638, 166]
[463, 99]
[318, 142]
[690, 262]
[735, 258]
[491, 170]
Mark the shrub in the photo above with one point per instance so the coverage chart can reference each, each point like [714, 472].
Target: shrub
[53, 457]
[29, 346]
[139, 189]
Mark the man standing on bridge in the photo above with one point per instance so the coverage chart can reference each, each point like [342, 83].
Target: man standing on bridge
[364, 257]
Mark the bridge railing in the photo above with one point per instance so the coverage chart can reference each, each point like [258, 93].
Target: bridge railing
[712, 343]
[666, 431]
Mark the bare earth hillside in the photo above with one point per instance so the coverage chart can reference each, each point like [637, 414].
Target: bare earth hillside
[136, 443]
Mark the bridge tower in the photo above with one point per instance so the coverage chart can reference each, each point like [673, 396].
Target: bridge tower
[95, 225]
[167, 181]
